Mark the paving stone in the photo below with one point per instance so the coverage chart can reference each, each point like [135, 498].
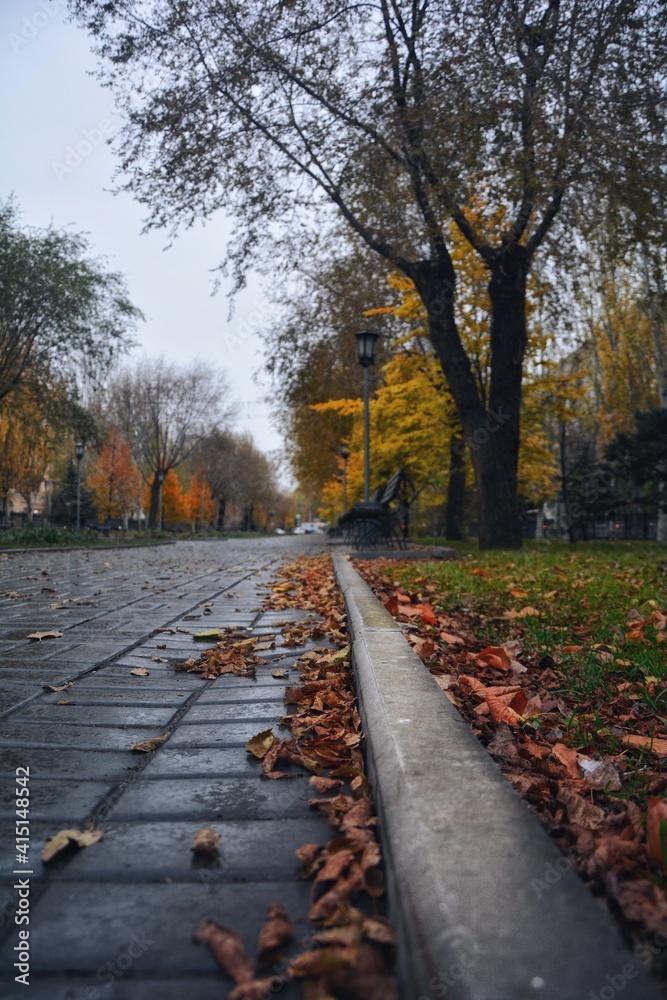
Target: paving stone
[266, 689]
[61, 800]
[95, 715]
[200, 762]
[223, 734]
[16, 734]
[68, 763]
[211, 799]
[238, 710]
[249, 850]
[113, 696]
[77, 926]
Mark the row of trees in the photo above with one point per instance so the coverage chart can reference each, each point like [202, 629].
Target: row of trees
[152, 430]
[396, 121]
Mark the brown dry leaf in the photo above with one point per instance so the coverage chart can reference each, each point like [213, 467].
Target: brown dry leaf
[226, 946]
[64, 701]
[274, 935]
[206, 842]
[324, 785]
[329, 903]
[656, 832]
[58, 687]
[567, 756]
[254, 989]
[38, 636]
[147, 746]
[66, 838]
[476, 686]
[579, 810]
[451, 640]
[311, 857]
[280, 673]
[495, 656]
[648, 743]
[526, 612]
[260, 744]
[140, 672]
[500, 712]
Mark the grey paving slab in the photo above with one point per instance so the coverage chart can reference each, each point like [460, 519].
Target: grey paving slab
[202, 734]
[210, 799]
[152, 851]
[15, 733]
[61, 800]
[94, 715]
[200, 762]
[67, 763]
[239, 710]
[76, 926]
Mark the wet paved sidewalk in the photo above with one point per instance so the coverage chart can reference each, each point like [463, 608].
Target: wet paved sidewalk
[114, 921]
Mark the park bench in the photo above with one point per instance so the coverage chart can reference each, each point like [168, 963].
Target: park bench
[376, 522]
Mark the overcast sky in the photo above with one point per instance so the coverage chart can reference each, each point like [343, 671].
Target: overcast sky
[54, 117]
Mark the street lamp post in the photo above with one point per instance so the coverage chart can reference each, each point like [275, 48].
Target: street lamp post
[366, 345]
[344, 454]
[160, 480]
[78, 451]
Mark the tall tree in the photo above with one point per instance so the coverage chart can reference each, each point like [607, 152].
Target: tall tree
[399, 115]
[114, 481]
[63, 315]
[164, 410]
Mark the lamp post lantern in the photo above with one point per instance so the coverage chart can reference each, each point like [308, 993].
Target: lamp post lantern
[160, 479]
[366, 346]
[78, 451]
[344, 454]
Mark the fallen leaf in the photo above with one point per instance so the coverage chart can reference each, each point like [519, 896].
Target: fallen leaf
[476, 686]
[209, 633]
[38, 636]
[324, 785]
[254, 989]
[140, 672]
[579, 810]
[146, 746]
[656, 832]
[206, 842]
[500, 712]
[66, 838]
[495, 656]
[648, 743]
[567, 756]
[226, 946]
[58, 687]
[275, 933]
[260, 744]
[63, 701]
[280, 673]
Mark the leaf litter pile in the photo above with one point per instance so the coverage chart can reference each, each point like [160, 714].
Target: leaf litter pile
[558, 660]
[350, 953]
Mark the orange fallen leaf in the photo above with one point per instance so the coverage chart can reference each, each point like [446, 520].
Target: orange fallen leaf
[656, 831]
[226, 946]
[496, 657]
[567, 756]
[648, 743]
[476, 686]
[38, 636]
[500, 712]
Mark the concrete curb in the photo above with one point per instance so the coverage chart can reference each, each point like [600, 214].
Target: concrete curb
[484, 904]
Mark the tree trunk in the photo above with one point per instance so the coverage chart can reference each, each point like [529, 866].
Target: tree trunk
[456, 489]
[490, 431]
[154, 509]
[220, 517]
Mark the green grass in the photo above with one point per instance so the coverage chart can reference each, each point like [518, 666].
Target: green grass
[585, 595]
